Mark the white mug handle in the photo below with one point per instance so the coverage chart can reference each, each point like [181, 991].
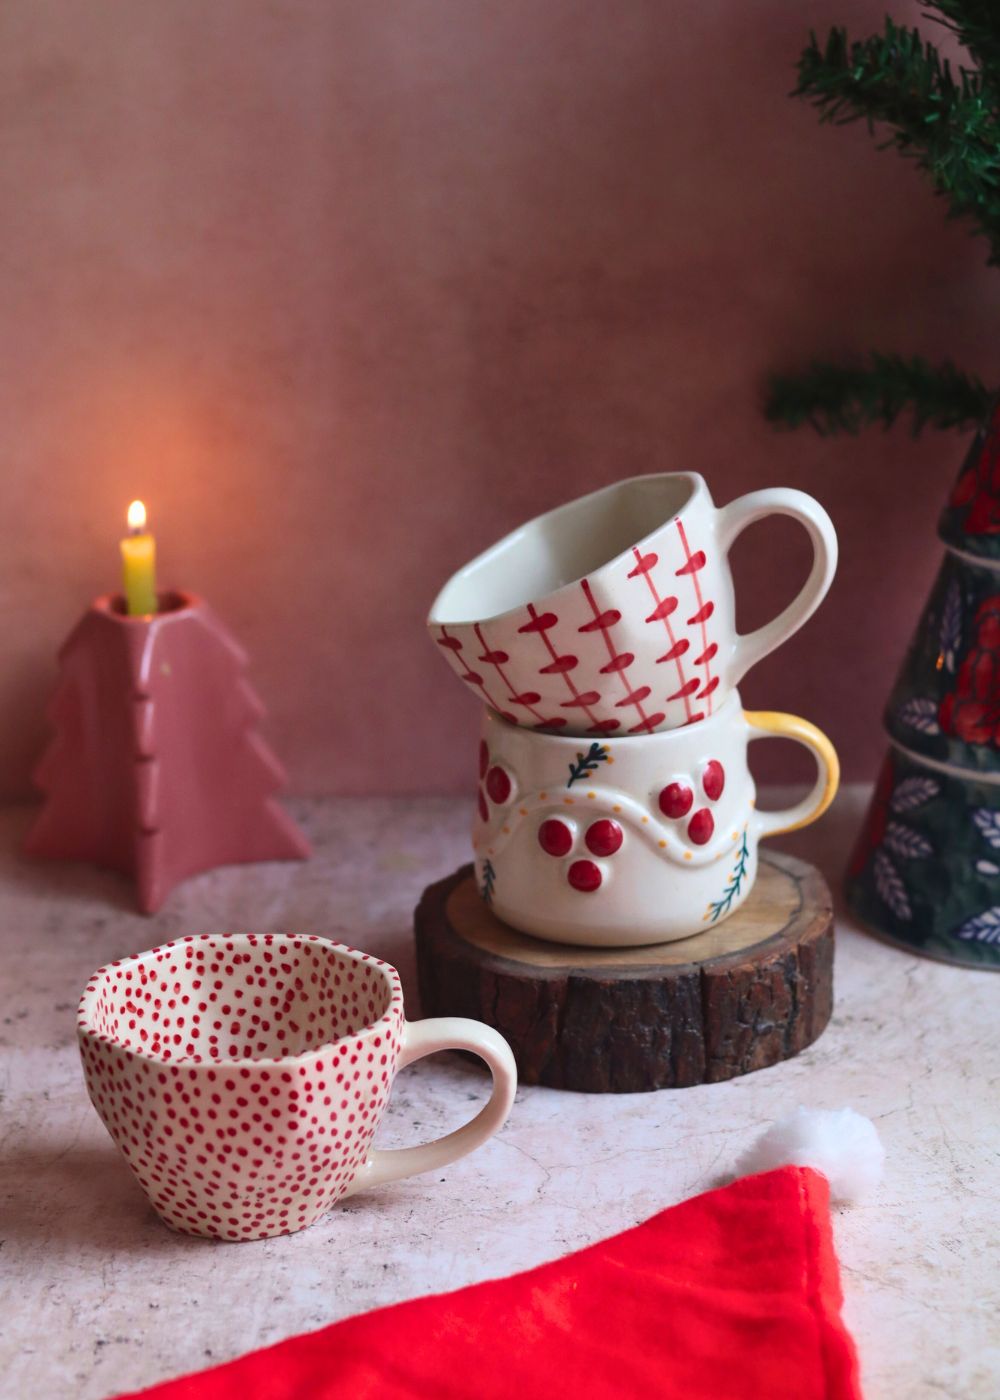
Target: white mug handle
[422, 1038]
[734, 518]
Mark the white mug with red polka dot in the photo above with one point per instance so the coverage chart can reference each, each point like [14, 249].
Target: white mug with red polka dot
[243, 1077]
[614, 614]
[620, 842]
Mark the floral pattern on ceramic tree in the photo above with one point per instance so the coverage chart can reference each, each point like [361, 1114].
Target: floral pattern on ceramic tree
[945, 704]
[984, 927]
[920, 712]
[926, 869]
[886, 841]
[977, 491]
[972, 710]
[971, 519]
[926, 881]
[950, 628]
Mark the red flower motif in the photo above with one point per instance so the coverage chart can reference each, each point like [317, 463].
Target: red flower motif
[978, 487]
[972, 711]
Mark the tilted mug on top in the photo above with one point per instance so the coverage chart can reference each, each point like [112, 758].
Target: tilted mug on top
[614, 614]
[243, 1077]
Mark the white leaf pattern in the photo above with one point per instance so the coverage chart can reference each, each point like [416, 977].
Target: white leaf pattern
[981, 928]
[913, 792]
[890, 887]
[919, 714]
[951, 625]
[906, 843]
[989, 826]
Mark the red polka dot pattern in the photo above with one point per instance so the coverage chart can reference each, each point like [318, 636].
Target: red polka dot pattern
[585, 876]
[242, 1076]
[603, 837]
[713, 780]
[555, 837]
[498, 784]
[676, 800]
[701, 826]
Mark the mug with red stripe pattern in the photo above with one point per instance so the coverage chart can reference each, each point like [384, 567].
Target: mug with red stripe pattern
[615, 614]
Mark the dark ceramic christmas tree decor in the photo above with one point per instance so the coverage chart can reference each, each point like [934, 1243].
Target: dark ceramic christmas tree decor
[156, 768]
[926, 870]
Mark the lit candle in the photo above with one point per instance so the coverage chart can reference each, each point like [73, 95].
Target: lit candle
[139, 564]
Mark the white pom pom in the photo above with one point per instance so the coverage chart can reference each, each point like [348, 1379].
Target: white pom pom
[840, 1143]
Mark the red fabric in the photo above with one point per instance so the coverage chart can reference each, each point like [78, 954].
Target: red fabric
[734, 1295]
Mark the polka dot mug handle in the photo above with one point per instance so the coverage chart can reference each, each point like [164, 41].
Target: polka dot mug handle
[734, 518]
[773, 724]
[422, 1038]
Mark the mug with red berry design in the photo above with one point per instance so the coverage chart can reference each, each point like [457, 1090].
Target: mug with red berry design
[620, 842]
[614, 614]
[243, 1077]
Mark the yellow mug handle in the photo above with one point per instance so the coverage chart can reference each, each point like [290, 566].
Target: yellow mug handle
[773, 724]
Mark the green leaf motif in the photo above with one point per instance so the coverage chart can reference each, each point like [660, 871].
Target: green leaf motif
[587, 763]
[489, 881]
[722, 906]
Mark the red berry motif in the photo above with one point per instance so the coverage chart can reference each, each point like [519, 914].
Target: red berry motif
[484, 758]
[498, 784]
[555, 837]
[584, 876]
[484, 811]
[676, 800]
[713, 780]
[603, 837]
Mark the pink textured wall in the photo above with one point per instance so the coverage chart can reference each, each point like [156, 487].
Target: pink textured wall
[346, 290]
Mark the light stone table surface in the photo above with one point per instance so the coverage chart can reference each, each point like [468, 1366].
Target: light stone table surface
[99, 1297]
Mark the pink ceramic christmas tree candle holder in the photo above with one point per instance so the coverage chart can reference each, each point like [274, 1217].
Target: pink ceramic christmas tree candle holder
[156, 769]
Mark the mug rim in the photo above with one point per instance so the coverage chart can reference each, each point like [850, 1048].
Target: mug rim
[724, 715]
[699, 489]
[98, 979]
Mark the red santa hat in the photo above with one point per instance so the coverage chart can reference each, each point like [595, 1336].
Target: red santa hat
[734, 1295]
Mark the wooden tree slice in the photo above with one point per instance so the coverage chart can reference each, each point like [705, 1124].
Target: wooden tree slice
[752, 991]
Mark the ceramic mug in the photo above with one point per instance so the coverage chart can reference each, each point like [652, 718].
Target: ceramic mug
[244, 1076]
[614, 614]
[620, 842]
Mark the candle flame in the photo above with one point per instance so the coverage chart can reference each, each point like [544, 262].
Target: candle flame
[136, 517]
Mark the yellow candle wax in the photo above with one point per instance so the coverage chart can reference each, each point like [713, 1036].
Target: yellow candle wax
[139, 564]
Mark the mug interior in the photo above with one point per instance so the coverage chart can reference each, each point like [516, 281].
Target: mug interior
[561, 547]
[215, 998]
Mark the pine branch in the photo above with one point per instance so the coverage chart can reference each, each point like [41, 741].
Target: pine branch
[836, 398]
[976, 25]
[587, 763]
[719, 907]
[489, 882]
[948, 125]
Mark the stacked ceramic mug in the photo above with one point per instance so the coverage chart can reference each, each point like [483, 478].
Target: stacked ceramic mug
[615, 803]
